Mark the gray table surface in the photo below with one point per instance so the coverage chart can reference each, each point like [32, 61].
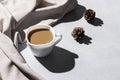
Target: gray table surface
[97, 57]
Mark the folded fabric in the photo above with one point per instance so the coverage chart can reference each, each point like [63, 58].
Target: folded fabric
[17, 15]
[12, 65]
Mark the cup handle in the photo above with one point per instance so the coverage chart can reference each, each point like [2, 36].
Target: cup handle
[58, 37]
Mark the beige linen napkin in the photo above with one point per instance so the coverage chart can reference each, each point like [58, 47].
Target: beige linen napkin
[17, 15]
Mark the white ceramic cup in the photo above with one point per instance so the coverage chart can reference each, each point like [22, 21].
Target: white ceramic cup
[42, 50]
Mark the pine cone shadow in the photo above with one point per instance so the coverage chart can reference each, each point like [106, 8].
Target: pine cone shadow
[96, 22]
[85, 40]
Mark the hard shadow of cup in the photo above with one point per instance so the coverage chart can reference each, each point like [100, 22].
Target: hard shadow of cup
[59, 60]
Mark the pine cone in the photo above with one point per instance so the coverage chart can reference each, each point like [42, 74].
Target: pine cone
[78, 33]
[89, 14]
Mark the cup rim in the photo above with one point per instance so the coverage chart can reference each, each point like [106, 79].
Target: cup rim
[38, 27]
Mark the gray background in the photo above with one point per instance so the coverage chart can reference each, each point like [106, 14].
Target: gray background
[97, 57]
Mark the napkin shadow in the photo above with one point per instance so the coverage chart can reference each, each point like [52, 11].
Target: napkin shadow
[22, 46]
[96, 22]
[59, 60]
[85, 40]
[74, 15]
[44, 4]
[36, 17]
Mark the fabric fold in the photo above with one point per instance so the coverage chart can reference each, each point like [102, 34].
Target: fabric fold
[15, 17]
[20, 8]
[13, 66]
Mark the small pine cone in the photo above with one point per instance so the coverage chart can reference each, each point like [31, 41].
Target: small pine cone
[77, 33]
[89, 14]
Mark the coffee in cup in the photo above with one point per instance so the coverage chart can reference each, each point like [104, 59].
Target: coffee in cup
[41, 39]
[40, 36]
